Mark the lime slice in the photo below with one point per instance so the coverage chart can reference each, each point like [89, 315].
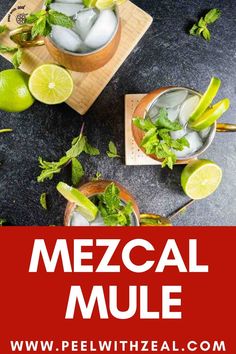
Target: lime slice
[84, 206]
[211, 115]
[89, 3]
[201, 178]
[51, 84]
[206, 99]
[104, 4]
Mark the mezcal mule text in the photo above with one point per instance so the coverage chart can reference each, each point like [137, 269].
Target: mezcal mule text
[85, 260]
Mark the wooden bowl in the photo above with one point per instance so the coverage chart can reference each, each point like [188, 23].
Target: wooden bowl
[141, 111]
[91, 189]
[86, 62]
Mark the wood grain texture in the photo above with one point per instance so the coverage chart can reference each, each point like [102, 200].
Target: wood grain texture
[87, 86]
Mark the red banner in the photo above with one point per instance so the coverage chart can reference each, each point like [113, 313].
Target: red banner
[117, 289]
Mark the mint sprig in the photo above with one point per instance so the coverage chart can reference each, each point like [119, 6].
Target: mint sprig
[201, 28]
[79, 145]
[43, 21]
[112, 152]
[113, 212]
[157, 139]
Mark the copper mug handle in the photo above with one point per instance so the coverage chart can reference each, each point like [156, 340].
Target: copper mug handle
[225, 128]
[17, 36]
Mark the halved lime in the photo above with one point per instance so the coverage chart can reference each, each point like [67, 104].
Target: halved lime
[84, 206]
[211, 115]
[51, 84]
[206, 99]
[201, 178]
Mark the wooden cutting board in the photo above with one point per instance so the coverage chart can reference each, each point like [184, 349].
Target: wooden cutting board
[88, 86]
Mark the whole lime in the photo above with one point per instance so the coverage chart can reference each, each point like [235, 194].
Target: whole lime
[14, 92]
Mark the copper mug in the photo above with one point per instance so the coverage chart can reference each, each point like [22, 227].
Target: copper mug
[94, 188]
[146, 103]
[80, 62]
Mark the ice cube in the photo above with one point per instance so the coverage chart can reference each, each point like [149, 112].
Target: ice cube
[98, 221]
[195, 143]
[70, 1]
[178, 134]
[84, 22]
[66, 39]
[187, 109]
[204, 133]
[173, 113]
[78, 220]
[103, 29]
[66, 9]
[172, 99]
[153, 112]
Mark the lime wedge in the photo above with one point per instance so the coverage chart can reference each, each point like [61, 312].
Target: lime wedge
[206, 99]
[211, 115]
[84, 206]
[51, 84]
[201, 178]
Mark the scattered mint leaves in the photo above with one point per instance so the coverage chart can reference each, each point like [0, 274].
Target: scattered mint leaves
[111, 208]
[112, 153]
[78, 146]
[157, 139]
[201, 28]
[17, 58]
[97, 177]
[2, 221]
[3, 28]
[43, 201]
[7, 130]
[77, 171]
[43, 21]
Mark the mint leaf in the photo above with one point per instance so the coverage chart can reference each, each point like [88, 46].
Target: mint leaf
[17, 58]
[89, 149]
[143, 124]
[212, 16]
[206, 34]
[39, 27]
[47, 3]
[44, 20]
[111, 197]
[59, 19]
[43, 201]
[97, 177]
[111, 208]
[158, 141]
[163, 122]
[77, 171]
[112, 153]
[78, 146]
[3, 28]
[6, 49]
[2, 221]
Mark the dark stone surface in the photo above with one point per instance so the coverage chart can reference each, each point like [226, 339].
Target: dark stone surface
[165, 56]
